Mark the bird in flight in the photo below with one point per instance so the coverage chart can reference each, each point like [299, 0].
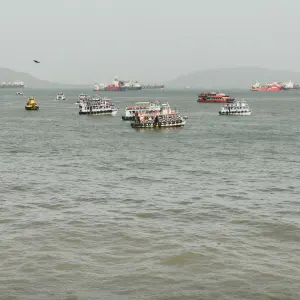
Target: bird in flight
[36, 61]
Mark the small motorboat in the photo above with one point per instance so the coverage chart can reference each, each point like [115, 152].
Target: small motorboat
[31, 104]
[60, 96]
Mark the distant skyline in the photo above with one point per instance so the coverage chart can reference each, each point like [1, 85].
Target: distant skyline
[84, 42]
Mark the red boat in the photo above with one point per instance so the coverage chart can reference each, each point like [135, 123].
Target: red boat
[213, 97]
[269, 87]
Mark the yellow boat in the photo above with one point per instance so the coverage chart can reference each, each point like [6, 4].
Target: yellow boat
[31, 104]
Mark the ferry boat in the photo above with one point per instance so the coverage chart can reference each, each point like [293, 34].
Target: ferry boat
[97, 98]
[165, 117]
[82, 97]
[97, 106]
[140, 107]
[237, 108]
[31, 104]
[60, 96]
[213, 97]
[268, 87]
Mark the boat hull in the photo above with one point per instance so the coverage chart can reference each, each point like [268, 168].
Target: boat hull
[111, 89]
[159, 125]
[150, 87]
[133, 88]
[214, 101]
[99, 113]
[274, 90]
[291, 89]
[132, 118]
[248, 113]
[32, 108]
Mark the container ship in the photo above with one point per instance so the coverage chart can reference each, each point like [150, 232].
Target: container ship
[118, 86]
[155, 86]
[15, 84]
[213, 97]
[268, 87]
[108, 88]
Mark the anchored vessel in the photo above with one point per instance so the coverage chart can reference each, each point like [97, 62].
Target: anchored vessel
[133, 86]
[291, 86]
[213, 97]
[60, 96]
[237, 108]
[151, 86]
[268, 87]
[97, 106]
[118, 86]
[14, 84]
[31, 104]
[140, 107]
[165, 117]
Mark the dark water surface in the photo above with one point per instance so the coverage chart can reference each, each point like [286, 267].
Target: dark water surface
[93, 209]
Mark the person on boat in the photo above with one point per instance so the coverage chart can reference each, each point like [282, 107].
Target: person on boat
[137, 118]
[156, 120]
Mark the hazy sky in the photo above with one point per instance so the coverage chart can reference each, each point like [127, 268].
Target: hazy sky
[83, 41]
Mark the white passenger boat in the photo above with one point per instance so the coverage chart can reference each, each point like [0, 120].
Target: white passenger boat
[236, 108]
[101, 106]
[60, 96]
[140, 107]
[164, 117]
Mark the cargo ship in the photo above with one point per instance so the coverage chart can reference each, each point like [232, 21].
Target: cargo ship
[268, 87]
[108, 88]
[291, 86]
[213, 97]
[118, 86]
[155, 86]
[14, 84]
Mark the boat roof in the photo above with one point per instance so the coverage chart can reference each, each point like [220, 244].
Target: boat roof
[161, 114]
[98, 100]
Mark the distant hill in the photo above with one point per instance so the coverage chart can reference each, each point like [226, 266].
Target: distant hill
[243, 77]
[9, 75]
